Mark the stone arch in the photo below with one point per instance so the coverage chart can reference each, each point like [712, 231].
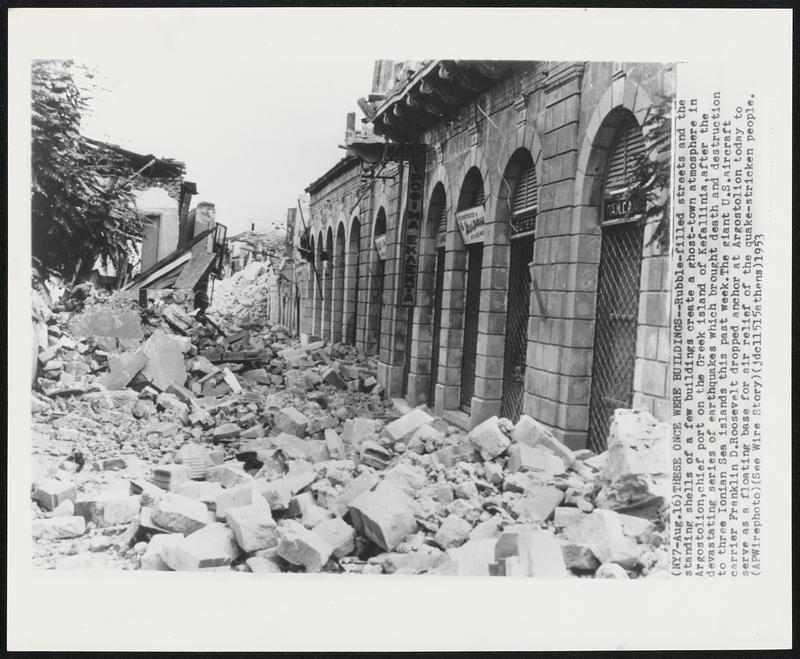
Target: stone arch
[351, 283]
[337, 301]
[376, 284]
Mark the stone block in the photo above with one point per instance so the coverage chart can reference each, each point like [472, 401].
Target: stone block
[538, 553]
[165, 362]
[453, 532]
[406, 478]
[374, 455]
[122, 368]
[201, 490]
[537, 507]
[416, 563]
[564, 516]
[159, 544]
[253, 526]
[384, 515]
[489, 439]
[601, 531]
[180, 514]
[339, 535]
[58, 528]
[242, 495]
[356, 430]
[231, 380]
[473, 559]
[108, 510]
[291, 421]
[579, 557]
[488, 529]
[333, 378]
[362, 483]
[334, 444]
[51, 493]
[169, 477]
[299, 546]
[228, 475]
[404, 427]
[539, 461]
[611, 571]
[208, 547]
[226, 432]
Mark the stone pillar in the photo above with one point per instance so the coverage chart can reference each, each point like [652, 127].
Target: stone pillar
[565, 270]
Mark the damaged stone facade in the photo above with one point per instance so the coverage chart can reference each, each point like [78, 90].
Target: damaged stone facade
[543, 142]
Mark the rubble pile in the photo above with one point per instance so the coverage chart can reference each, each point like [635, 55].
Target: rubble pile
[170, 445]
[243, 297]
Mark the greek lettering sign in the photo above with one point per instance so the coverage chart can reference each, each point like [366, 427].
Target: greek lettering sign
[412, 224]
[380, 245]
[471, 223]
[620, 207]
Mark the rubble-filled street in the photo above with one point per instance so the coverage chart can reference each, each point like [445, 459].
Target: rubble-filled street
[167, 442]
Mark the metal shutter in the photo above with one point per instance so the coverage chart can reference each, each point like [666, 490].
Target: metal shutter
[443, 220]
[526, 196]
[478, 196]
[628, 147]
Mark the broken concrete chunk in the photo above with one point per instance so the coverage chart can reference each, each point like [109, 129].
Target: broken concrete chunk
[122, 368]
[564, 516]
[538, 506]
[180, 514]
[473, 559]
[453, 532]
[332, 377]
[406, 478]
[611, 571]
[253, 526]
[58, 528]
[384, 515]
[339, 535]
[164, 361]
[538, 460]
[231, 381]
[405, 426]
[108, 510]
[375, 455]
[489, 439]
[602, 532]
[334, 444]
[299, 546]
[290, 420]
[156, 548]
[412, 563]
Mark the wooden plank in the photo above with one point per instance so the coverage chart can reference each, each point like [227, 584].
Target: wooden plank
[194, 270]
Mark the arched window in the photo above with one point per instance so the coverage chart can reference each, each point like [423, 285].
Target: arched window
[626, 152]
[525, 203]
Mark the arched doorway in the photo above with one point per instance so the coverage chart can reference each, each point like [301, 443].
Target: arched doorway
[318, 285]
[617, 308]
[437, 225]
[351, 283]
[338, 284]
[472, 196]
[520, 211]
[376, 281]
[327, 289]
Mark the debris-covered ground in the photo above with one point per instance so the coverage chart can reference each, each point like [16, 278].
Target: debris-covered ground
[164, 442]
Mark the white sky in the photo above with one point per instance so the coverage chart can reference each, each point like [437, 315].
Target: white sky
[253, 130]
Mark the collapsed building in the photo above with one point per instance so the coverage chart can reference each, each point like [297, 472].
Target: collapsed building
[477, 238]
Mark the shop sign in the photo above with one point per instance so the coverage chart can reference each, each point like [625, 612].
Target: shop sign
[409, 264]
[620, 207]
[471, 223]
